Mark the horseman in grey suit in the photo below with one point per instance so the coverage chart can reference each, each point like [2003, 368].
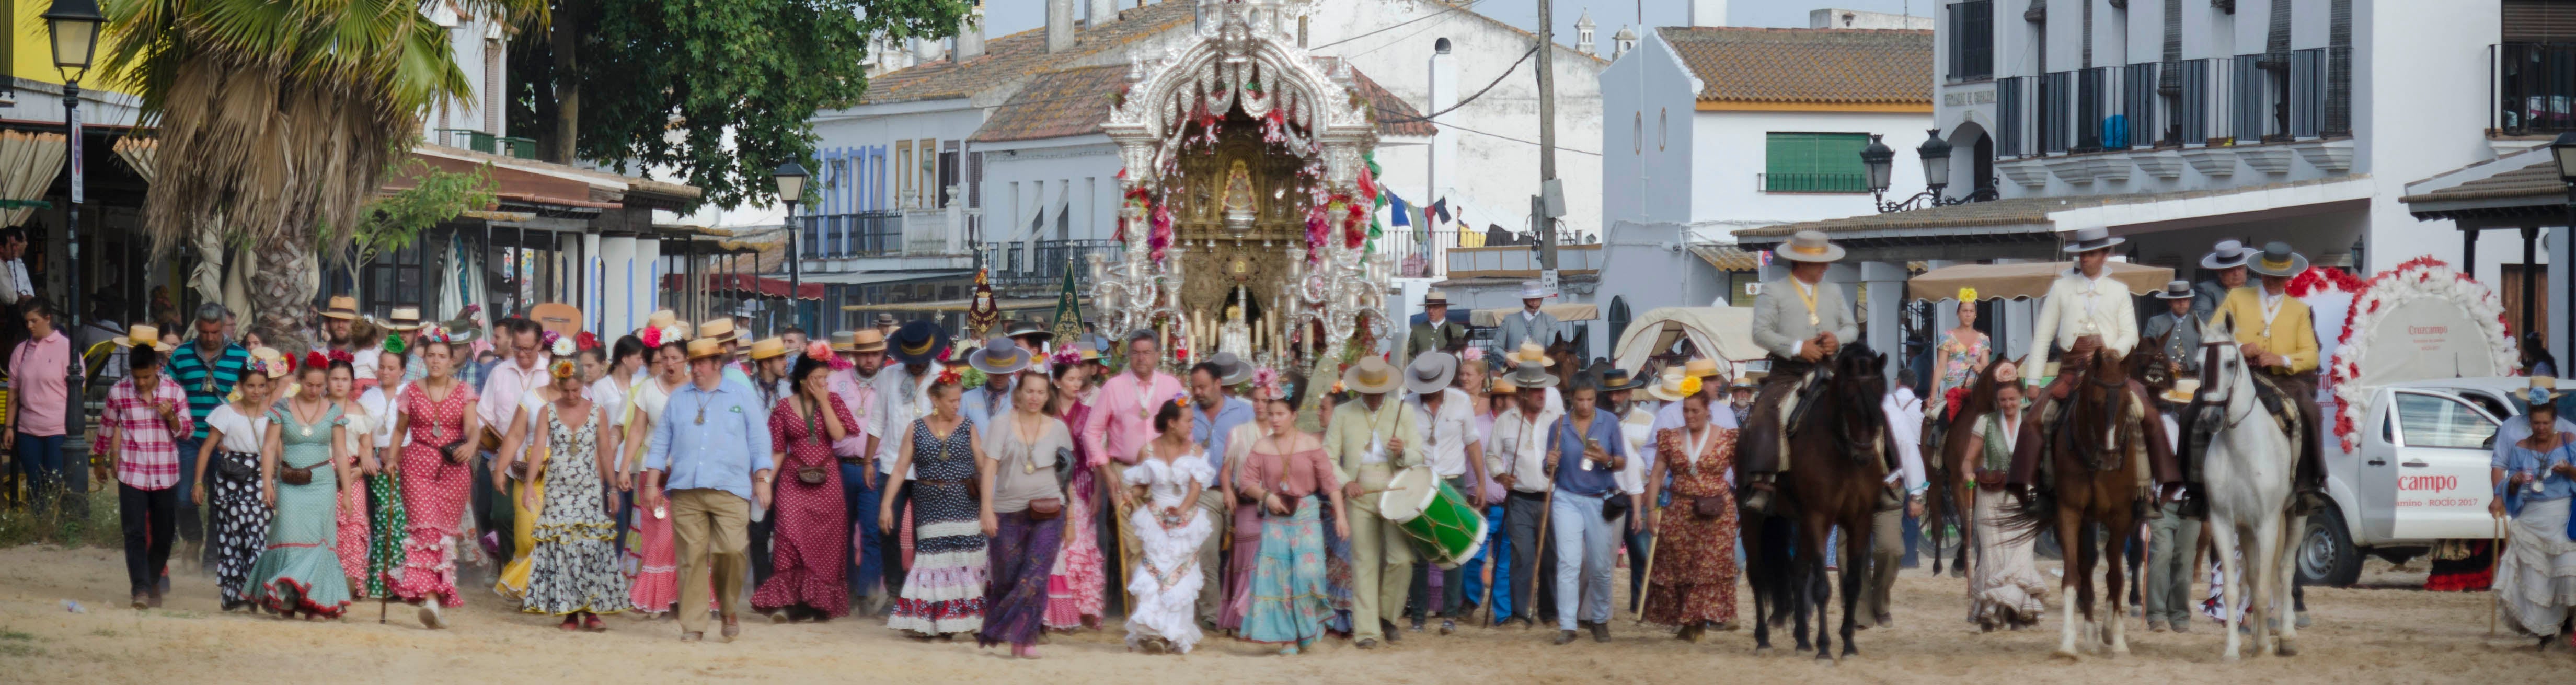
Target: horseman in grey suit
[1529, 323]
[1801, 320]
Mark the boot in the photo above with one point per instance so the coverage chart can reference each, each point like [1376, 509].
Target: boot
[1757, 493]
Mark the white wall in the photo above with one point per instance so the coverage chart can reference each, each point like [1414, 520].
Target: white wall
[2419, 94]
[1647, 100]
[1728, 151]
[1021, 180]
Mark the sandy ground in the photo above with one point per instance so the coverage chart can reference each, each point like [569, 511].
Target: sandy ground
[2384, 632]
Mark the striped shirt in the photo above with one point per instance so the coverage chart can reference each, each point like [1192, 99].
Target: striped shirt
[147, 458]
[206, 384]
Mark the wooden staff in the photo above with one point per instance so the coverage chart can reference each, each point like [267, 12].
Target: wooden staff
[1652, 541]
[2495, 557]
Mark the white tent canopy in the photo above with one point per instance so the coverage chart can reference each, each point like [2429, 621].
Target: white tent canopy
[1724, 331]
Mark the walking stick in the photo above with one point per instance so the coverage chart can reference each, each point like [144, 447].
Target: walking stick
[1652, 542]
[1538, 551]
[2495, 557]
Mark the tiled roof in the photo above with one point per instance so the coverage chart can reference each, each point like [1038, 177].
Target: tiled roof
[2007, 212]
[1076, 101]
[1837, 66]
[1022, 55]
[2539, 181]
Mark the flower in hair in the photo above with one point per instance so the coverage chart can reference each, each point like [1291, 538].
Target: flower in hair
[652, 337]
[1181, 398]
[341, 356]
[1265, 383]
[314, 360]
[1472, 354]
[947, 376]
[559, 346]
[586, 341]
[561, 368]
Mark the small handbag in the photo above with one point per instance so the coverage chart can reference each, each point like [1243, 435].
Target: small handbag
[236, 469]
[1614, 506]
[292, 475]
[811, 475]
[1710, 507]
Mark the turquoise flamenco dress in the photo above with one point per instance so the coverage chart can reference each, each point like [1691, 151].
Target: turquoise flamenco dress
[300, 571]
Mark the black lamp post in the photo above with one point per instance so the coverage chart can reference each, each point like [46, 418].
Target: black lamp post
[73, 25]
[1935, 153]
[791, 187]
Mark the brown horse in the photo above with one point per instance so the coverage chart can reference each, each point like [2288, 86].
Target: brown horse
[2090, 476]
[1838, 446]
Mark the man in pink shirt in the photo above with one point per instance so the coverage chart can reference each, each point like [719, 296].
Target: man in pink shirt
[1122, 417]
[865, 351]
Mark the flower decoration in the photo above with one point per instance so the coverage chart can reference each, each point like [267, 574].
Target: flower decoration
[586, 341]
[270, 367]
[947, 376]
[561, 368]
[1690, 386]
[554, 343]
[1181, 398]
[1065, 355]
[972, 378]
[1266, 385]
[341, 356]
[1967, 294]
[394, 344]
[1473, 354]
[314, 360]
[436, 333]
[652, 337]
[2419, 278]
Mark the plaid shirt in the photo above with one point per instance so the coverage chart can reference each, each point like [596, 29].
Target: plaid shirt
[147, 458]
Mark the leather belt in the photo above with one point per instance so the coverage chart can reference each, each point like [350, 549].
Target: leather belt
[854, 461]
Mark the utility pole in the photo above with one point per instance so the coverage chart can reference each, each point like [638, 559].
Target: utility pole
[1539, 220]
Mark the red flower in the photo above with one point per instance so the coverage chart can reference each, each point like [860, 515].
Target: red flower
[314, 360]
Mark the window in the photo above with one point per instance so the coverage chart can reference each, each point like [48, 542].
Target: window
[1972, 40]
[394, 280]
[1814, 163]
[928, 186]
[903, 179]
[1637, 136]
[2435, 421]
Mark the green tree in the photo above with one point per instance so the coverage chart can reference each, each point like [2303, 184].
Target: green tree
[719, 90]
[394, 221]
[277, 119]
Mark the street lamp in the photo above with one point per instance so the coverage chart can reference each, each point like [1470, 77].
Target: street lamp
[1935, 153]
[791, 187]
[73, 25]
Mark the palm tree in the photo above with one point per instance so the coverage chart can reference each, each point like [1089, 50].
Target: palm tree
[277, 119]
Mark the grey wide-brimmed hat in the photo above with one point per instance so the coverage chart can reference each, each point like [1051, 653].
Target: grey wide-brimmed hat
[2277, 259]
[2089, 239]
[1530, 375]
[1231, 370]
[1430, 372]
[999, 357]
[2227, 254]
[2175, 290]
[1808, 246]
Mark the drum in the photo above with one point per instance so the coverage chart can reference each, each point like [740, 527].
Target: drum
[1445, 529]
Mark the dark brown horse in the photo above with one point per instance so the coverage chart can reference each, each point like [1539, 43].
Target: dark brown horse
[1952, 497]
[2090, 476]
[1836, 448]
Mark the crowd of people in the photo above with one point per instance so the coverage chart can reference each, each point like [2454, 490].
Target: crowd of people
[1001, 489]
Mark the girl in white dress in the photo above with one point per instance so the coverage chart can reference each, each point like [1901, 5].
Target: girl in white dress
[1166, 581]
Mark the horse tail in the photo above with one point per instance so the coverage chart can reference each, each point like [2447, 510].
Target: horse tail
[2037, 514]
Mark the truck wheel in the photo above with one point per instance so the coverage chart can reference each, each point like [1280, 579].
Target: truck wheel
[2326, 555]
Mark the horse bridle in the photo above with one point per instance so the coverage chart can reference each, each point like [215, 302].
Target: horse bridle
[2225, 393]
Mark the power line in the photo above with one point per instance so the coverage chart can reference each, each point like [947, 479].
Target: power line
[1443, 12]
[1498, 80]
[1444, 124]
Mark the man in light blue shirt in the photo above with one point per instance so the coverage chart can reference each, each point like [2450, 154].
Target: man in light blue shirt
[1214, 414]
[711, 452]
[1001, 361]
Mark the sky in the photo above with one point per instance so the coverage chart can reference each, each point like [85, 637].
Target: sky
[1012, 16]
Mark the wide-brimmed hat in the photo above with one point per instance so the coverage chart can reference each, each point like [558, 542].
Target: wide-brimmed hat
[918, 341]
[659, 320]
[1669, 387]
[1371, 376]
[2277, 259]
[764, 348]
[1614, 379]
[268, 361]
[147, 335]
[2175, 290]
[1025, 328]
[2227, 254]
[1529, 352]
[2088, 239]
[1809, 246]
[999, 357]
[1430, 372]
[1088, 350]
[461, 331]
[2543, 391]
[1532, 290]
[2183, 390]
[702, 348]
[341, 307]
[885, 319]
[1436, 298]
[403, 319]
[1230, 368]
[1700, 368]
[719, 330]
[1745, 383]
[1527, 376]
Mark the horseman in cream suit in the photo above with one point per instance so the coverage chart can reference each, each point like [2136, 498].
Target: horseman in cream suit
[1801, 320]
[2086, 311]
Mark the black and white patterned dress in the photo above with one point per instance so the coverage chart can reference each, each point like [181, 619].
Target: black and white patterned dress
[240, 528]
[575, 565]
[945, 591]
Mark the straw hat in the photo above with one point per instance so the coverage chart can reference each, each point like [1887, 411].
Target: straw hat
[1436, 298]
[150, 335]
[1669, 387]
[1614, 379]
[1430, 372]
[403, 319]
[1530, 352]
[867, 340]
[1809, 246]
[660, 319]
[269, 361]
[1700, 368]
[1371, 376]
[719, 330]
[341, 307]
[702, 348]
[768, 347]
[1531, 290]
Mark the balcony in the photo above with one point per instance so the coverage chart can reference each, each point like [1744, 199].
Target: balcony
[1030, 269]
[2534, 88]
[2217, 102]
[1972, 41]
[860, 234]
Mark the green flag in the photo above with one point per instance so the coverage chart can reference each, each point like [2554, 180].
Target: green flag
[1068, 309]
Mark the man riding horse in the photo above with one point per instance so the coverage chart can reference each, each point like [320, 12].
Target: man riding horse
[2278, 336]
[2086, 311]
[1801, 320]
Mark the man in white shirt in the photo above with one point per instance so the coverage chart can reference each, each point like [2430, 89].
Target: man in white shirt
[2087, 310]
[902, 396]
[1518, 460]
[503, 388]
[1887, 528]
[15, 286]
[1455, 453]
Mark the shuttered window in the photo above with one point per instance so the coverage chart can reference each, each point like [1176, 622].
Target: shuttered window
[1814, 163]
[2539, 21]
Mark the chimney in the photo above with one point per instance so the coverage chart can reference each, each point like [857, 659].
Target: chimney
[1102, 12]
[1622, 42]
[1708, 12]
[1059, 26]
[1444, 143]
[970, 34]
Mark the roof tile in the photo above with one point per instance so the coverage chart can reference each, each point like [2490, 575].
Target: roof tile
[1022, 55]
[1841, 66]
[1076, 101]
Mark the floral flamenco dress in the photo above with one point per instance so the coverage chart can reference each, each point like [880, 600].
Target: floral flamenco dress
[300, 571]
[574, 567]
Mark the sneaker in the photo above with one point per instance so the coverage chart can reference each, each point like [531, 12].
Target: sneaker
[430, 616]
[1563, 637]
[1601, 631]
[1366, 643]
[1448, 627]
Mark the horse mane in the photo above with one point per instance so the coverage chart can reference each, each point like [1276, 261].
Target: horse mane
[1857, 387]
[1972, 409]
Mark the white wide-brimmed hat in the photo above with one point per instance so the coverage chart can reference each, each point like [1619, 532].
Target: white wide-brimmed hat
[2089, 239]
[1809, 246]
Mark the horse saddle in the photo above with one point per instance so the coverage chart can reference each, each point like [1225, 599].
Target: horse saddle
[2277, 403]
[1794, 404]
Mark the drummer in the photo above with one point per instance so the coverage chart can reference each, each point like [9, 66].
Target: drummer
[1455, 450]
[1597, 487]
[1369, 441]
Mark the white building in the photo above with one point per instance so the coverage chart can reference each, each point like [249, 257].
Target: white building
[1009, 124]
[1715, 129]
[2180, 123]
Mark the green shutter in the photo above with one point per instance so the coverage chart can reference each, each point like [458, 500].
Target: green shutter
[1814, 163]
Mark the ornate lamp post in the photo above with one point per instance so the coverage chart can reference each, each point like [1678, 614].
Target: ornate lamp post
[73, 25]
[791, 187]
[1935, 154]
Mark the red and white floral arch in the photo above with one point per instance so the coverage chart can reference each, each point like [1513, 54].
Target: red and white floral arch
[2417, 279]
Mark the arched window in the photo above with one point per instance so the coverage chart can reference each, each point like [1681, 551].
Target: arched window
[1618, 319]
[1440, 46]
[1637, 136]
[1663, 127]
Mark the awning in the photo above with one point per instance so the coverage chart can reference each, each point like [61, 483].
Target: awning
[1724, 331]
[2017, 281]
[877, 277]
[2032, 227]
[2507, 189]
[29, 163]
[1570, 311]
[743, 283]
[1728, 257]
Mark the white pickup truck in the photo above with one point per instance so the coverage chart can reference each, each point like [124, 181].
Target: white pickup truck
[2418, 475]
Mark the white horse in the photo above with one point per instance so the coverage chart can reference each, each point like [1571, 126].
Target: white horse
[2246, 474]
